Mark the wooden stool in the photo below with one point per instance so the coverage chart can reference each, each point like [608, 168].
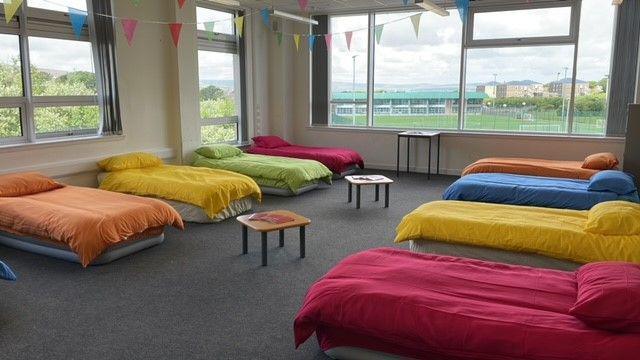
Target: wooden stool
[264, 227]
[359, 180]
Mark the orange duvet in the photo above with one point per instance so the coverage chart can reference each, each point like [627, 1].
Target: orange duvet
[533, 167]
[88, 220]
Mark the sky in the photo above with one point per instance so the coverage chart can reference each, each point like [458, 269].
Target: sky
[434, 57]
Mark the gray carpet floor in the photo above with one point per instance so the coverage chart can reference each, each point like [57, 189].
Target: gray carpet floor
[196, 296]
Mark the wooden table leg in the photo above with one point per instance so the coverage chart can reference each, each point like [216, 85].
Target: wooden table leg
[386, 195]
[302, 242]
[264, 249]
[357, 196]
[377, 192]
[350, 192]
[281, 238]
[245, 240]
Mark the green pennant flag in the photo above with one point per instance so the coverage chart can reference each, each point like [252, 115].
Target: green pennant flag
[415, 20]
[379, 29]
[279, 38]
[10, 9]
[208, 27]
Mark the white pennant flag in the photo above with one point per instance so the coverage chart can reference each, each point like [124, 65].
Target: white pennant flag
[415, 20]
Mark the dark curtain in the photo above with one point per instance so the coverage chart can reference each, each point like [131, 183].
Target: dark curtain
[624, 67]
[106, 47]
[320, 76]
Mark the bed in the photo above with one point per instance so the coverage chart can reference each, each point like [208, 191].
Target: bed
[539, 191]
[199, 195]
[547, 168]
[340, 161]
[392, 304]
[610, 231]
[274, 174]
[83, 225]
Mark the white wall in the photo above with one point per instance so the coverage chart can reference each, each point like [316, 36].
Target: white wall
[379, 147]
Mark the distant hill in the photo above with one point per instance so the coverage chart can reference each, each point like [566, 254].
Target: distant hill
[223, 84]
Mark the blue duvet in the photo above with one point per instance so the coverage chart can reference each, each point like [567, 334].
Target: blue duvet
[531, 190]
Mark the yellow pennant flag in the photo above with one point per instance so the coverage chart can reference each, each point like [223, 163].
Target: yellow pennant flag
[10, 8]
[239, 25]
[296, 39]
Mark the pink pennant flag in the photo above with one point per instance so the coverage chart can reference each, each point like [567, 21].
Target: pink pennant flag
[348, 36]
[129, 27]
[175, 32]
[303, 4]
[328, 39]
[181, 3]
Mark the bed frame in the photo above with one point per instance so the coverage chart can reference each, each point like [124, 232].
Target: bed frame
[62, 251]
[354, 353]
[350, 171]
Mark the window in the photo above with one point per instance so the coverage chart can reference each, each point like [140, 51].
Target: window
[220, 77]
[537, 67]
[48, 83]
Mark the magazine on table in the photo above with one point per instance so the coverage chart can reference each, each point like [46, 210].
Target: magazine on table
[271, 218]
[369, 177]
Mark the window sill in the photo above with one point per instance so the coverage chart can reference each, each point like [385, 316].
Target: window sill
[58, 142]
[456, 133]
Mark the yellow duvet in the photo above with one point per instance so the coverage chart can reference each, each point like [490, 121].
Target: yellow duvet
[555, 233]
[211, 190]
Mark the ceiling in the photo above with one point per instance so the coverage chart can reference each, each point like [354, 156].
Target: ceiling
[326, 6]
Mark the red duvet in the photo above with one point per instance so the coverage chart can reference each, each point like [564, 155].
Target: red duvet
[436, 307]
[336, 159]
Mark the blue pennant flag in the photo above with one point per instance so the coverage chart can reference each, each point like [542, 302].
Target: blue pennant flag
[312, 41]
[78, 19]
[463, 9]
[405, 2]
[266, 16]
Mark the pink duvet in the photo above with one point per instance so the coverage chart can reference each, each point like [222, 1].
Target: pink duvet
[436, 307]
[336, 159]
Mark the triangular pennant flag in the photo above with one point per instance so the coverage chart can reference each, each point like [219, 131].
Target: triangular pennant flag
[348, 37]
[129, 27]
[181, 3]
[328, 39]
[208, 27]
[279, 38]
[312, 41]
[78, 18]
[379, 29]
[136, 2]
[266, 16]
[463, 9]
[10, 8]
[239, 25]
[175, 32]
[303, 4]
[415, 20]
[296, 40]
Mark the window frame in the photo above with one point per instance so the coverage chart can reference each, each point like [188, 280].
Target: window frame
[228, 44]
[467, 42]
[47, 24]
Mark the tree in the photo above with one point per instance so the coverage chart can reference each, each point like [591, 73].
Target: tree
[211, 92]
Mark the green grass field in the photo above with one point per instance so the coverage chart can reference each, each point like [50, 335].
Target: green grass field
[543, 122]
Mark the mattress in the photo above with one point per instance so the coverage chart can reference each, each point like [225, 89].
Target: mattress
[268, 190]
[534, 167]
[554, 233]
[424, 306]
[349, 171]
[195, 214]
[338, 160]
[61, 251]
[491, 254]
[531, 191]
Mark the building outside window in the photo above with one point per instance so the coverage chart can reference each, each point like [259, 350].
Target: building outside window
[220, 76]
[48, 83]
[525, 69]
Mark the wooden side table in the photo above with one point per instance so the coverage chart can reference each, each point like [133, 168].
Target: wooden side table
[359, 180]
[264, 228]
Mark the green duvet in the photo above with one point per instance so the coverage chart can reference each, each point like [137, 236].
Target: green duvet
[271, 171]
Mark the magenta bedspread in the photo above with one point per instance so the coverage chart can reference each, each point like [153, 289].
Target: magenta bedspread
[336, 159]
[438, 307]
